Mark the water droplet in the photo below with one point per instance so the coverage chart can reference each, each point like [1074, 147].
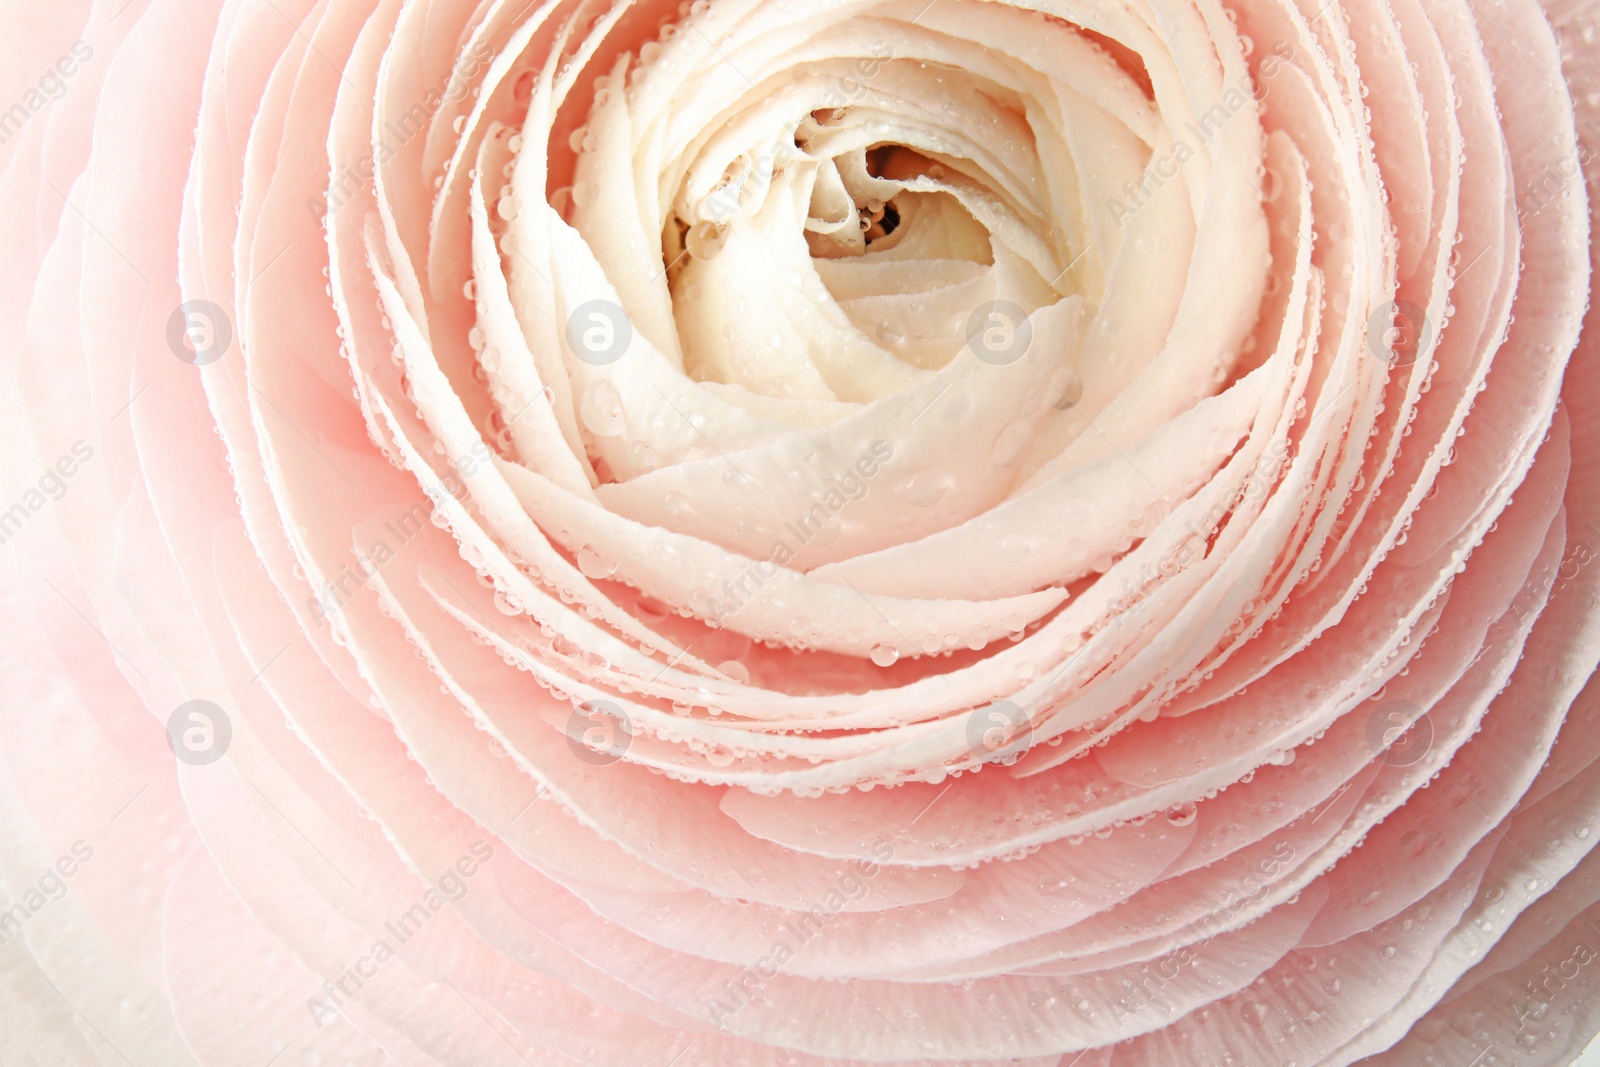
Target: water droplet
[925, 488]
[643, 455]
[595, 564]
[1065, 389]
[1012, 444]
[602, 410]
[1182, 814]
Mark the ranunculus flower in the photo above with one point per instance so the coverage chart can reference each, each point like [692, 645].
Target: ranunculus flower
[799, 532]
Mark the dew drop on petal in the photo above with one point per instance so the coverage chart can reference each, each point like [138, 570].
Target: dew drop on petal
[1065, 388]
[1182, 814]
[643, 455]
[1012, 445]
[925, 488]
[602, 410]
[595, 564]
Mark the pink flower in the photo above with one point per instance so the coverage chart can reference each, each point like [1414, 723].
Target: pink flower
[772, 533]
